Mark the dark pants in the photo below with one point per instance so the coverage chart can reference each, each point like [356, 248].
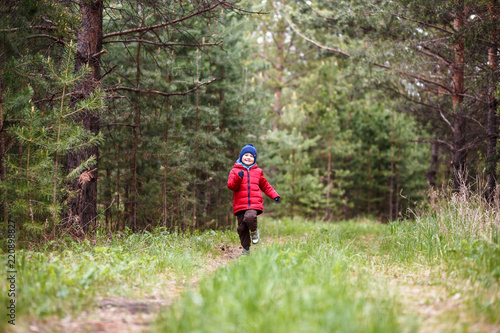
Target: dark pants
[247, 221]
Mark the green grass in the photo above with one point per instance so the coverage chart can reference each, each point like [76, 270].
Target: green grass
[316, 283]
[458, 239]
[66, 280]
[305, 277]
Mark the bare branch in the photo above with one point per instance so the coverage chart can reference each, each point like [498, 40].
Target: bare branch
[120, 124]
[108, 71]
[159, 43]
[432, 141]
[98, 54]
[425, 24]
[152, 27]
[470, 145]
[418, 77]
[447, 121]
[60, 41]
[316, 43]
[40, 27]
[430, 53]
[336, 20]
[296, 76]
[224, 3]
[162, 93]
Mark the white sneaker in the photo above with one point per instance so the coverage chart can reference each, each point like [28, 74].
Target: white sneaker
[255, 236]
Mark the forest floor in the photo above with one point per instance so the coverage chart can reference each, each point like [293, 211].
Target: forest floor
[426, 299]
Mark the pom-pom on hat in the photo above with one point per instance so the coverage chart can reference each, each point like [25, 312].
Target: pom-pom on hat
[249, 148]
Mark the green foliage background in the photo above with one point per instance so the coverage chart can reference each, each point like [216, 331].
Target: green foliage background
[337, 137]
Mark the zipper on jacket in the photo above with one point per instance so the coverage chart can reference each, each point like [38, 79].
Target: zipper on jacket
[248, 170]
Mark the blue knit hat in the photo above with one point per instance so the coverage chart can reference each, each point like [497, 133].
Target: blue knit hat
[249, 148]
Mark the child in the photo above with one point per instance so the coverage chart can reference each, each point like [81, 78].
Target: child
[246, 180]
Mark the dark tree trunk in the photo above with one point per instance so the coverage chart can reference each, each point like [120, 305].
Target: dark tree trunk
[119, 225]
[327, 216]
[3, 161]
[165, 168]
[459, 120]
[491, 153]
[459, 152]
[491, 149]
[136, 128]
[391, 180]
[83, 208]
[278, 90]
[432, 172]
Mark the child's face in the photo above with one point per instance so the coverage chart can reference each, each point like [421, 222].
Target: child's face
[247, 159]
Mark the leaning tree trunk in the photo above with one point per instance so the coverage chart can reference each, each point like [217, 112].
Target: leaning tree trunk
[491, 149]
[459, 120]
[83, 207]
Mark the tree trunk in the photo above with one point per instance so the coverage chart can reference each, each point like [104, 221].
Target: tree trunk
[3, 160]
[119, 222]
[136, 128]
[277, 106]
[83, 208]
[165, 169]
[292, 186]
[328, 180]
[391, 181]
[432, 172]
[491, 149]
[459, 120]
[346, 196]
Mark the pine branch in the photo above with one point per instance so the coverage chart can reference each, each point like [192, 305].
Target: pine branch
[418, 77]
[162, 93]
[242, 10]
[152, 27]
[40, 27]
[314, 42]
[425, 24]
[336, 20]
[159, 43]
[60, 41]
[107, 72]
[433, 141]
[432, 54]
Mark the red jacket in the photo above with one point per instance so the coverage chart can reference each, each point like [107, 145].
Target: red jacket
[247, 191]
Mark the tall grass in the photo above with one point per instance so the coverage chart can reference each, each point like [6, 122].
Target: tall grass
[303, 285]
[458, 236]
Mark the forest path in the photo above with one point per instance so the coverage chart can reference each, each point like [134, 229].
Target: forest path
[429, 305]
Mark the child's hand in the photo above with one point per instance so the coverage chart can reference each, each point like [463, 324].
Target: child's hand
[277, 199]
[241, 174]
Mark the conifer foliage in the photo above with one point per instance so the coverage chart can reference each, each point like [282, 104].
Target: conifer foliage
[129, 114]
